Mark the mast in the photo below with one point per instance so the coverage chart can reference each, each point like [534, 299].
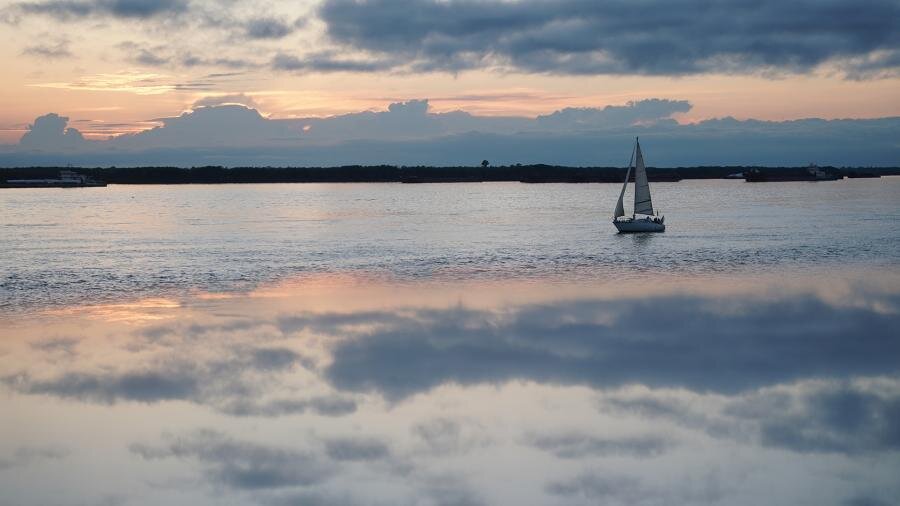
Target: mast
[642, 202]
[620, 208]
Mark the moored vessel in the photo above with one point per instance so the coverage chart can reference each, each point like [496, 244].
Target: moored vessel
[67, 179]
[812, 173]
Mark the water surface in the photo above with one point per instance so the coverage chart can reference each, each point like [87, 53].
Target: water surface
[68, 246]
[480, 344]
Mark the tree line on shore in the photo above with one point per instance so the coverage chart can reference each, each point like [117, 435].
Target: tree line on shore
[389, 173]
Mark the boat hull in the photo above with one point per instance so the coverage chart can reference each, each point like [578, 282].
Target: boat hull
[638, 226]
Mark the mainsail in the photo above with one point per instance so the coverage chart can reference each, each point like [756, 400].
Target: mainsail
[642, 203]
[620, 208]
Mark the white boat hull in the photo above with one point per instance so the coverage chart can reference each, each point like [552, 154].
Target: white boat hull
[633, 226]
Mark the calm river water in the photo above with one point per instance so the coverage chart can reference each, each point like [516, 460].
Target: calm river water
[70, 246]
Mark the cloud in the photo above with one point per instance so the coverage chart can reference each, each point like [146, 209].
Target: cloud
[50, 51]
[676, 410]
[50, 132]
[231, 379]
[402, 120]
[222, 382]
[128, 9]
[165, 55]
[816, 416]
[666, 341]
[145, 57]
[334, 405]
[191, 60]
[149, 386]
[619, 37]
[140, 83]
[356, 449]
[326, 61]
[615, 488]
[444, 436]
[224, 125]
[830, 418]
[25, 455]
[633, 113]
[232, 99]
[620, 489]
[881, 64]
[864, 500]
[450, 490]
[221, 131]
[241, 465]
[308, 499]
[574, 445]
[63, 345]
[267, 28]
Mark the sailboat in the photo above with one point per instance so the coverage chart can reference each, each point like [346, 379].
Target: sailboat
[643, 219]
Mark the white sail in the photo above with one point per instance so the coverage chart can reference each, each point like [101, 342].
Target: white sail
[620, 208]
[642, 203]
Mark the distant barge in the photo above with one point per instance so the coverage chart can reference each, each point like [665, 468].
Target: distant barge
[66, 179]
[811, 173]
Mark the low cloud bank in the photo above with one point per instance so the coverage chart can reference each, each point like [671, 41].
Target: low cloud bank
[227, 131]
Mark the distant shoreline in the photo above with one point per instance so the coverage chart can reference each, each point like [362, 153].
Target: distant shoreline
[421, 174]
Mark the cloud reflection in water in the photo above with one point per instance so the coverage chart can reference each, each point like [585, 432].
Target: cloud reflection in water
[632, 400]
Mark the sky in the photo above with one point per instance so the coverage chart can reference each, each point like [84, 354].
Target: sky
[111, 69]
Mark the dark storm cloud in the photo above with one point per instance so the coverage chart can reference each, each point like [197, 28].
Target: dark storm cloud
[137, 9]
[617, 37]
[241, 465]
[575, 445]
[676, 341]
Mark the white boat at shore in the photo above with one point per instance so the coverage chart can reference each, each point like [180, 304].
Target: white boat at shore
[67, 179]
[643, 218]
